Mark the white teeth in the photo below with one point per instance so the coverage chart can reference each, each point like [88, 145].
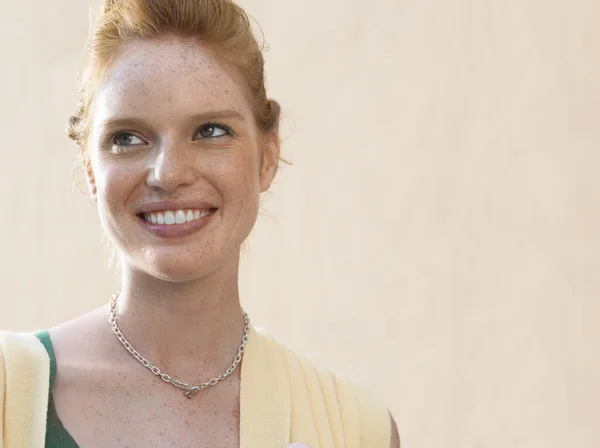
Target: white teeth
[179, 217]
[170, 217]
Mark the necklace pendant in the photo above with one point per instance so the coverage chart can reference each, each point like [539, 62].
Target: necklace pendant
[191, 392]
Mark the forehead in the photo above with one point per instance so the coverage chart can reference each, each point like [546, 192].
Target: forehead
[164, 79]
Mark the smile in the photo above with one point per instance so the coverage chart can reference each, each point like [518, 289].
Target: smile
[172, 217]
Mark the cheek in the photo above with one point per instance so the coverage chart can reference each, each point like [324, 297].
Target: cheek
[238, 175]
[114, 181]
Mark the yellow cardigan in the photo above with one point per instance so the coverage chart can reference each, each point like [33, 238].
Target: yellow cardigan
[284, 398]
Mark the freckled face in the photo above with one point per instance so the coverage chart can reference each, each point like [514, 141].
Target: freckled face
[171, 124]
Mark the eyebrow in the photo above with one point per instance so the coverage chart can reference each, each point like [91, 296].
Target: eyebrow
[203, 116]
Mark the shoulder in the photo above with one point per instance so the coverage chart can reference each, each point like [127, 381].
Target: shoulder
[85, 337]
[23, 358]
[24, 383]
[21, 349]
[350, 407]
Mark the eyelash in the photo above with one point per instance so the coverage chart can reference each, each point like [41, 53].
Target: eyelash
[227, 129]
[224, 127]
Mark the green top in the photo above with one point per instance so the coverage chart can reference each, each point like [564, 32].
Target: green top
[56, 434]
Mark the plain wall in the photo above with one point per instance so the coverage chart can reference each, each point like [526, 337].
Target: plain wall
[436, 236]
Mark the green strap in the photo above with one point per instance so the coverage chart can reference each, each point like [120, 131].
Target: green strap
[56, 434]
[44, 338]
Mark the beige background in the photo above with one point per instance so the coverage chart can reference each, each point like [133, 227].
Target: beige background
[437, 235]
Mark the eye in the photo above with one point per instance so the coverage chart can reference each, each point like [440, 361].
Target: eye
[123, 140]
[213, 130]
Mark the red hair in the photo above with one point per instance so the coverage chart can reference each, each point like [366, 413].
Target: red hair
[221, 26]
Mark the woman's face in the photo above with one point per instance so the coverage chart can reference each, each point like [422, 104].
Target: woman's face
[178, 163]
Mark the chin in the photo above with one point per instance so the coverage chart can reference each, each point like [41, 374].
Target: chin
[175, 274]
[181, 265]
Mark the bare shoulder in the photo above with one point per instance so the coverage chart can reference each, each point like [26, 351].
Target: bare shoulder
[395, 439]
[79, 339]
[82, 325]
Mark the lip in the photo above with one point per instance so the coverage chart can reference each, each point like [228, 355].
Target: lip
[177, 230]
[161, 206]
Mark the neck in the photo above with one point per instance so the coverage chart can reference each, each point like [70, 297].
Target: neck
[183, 327]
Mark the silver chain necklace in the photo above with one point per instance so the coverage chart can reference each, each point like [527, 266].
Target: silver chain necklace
[189, 389]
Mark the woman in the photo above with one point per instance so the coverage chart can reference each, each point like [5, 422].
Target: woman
[178, 140]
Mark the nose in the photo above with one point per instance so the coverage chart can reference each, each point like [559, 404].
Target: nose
[171, 168]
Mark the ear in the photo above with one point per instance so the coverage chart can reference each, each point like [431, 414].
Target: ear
[89, 175]
[270, 160]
